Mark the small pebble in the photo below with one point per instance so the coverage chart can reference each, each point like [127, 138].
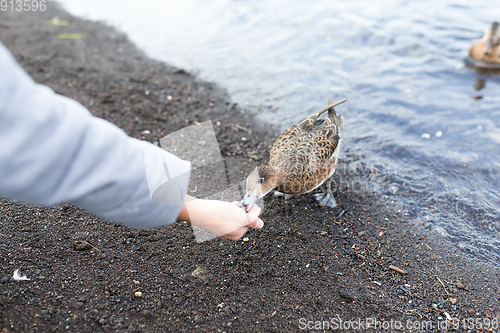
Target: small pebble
[453, 300]
[246, 239]
[78, 305]
[81, 245]
[197, 319]
[138, 294]
[136, 282]
[146, 313]
[439, 134]
[199, 272]
[460, 285]
[345, 295]
[426, 136]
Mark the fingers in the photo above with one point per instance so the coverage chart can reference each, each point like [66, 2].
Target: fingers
[235, 235]
[252, 217]
[257, 224]
[253, 221]
[254, 212]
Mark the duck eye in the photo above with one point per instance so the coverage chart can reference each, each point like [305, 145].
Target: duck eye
[261, 179]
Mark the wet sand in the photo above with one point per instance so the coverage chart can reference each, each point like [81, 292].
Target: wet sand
[361, 261]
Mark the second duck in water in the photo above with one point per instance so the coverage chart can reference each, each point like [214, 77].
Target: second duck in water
[302, 158]
[487, 49]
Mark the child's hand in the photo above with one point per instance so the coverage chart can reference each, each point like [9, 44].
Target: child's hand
[224, 219]
[253, 221]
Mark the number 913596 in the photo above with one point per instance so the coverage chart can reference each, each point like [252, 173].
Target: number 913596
[23, 5]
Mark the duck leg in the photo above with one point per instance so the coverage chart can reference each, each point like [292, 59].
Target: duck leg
[279, 194]
[326, 199]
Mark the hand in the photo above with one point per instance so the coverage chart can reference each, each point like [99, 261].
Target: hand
[252, 218]
[224, 219]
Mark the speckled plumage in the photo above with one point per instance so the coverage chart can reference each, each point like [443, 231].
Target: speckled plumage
[307, 155]
[487, 49]
[302, 158]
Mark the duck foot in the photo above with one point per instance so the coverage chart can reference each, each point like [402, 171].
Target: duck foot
[325, 200]
[279, 194]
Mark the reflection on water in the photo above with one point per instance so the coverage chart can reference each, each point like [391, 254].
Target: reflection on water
[422, 129]
[483, 70]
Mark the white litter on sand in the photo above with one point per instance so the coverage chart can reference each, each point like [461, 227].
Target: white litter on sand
[18, 277]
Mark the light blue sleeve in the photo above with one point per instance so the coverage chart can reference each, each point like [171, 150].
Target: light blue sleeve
[52, 150]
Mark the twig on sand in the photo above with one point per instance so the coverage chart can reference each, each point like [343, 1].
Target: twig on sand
[447, 293]
[451, 322]
[241, 128]
[397, 269]
[130, 291]
[413, 310]
[94, 247]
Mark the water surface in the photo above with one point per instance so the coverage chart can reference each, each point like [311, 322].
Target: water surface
[416, 131]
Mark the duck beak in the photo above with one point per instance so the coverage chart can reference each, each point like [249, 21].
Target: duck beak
[248, 200]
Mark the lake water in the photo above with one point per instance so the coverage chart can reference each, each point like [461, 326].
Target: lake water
[417, 130]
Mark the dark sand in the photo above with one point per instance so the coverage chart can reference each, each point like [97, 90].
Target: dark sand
[307, 262]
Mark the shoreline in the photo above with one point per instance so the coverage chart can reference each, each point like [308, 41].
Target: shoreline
[307, 262]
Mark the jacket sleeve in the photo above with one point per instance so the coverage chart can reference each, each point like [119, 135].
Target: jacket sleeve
[52, 150]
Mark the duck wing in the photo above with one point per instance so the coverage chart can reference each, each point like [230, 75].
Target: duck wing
[326, 147]
[329, 127]
[291, 133]
[307, 125]
[328, 135]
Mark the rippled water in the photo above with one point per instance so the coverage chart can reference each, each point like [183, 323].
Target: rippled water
[416, 131]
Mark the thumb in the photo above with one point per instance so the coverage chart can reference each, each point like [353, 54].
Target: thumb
[253, 218]
[257, 224]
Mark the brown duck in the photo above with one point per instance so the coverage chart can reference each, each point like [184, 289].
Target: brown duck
[487, 49]
[302, 158]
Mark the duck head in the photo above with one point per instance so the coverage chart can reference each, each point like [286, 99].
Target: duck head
[260, 181]
[491, 36]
